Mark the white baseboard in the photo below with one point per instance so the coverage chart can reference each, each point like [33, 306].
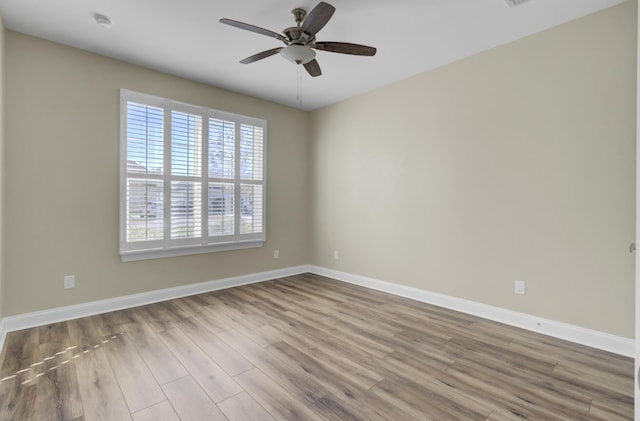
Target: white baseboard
[44, 317]
[595, 339]
[592, 338]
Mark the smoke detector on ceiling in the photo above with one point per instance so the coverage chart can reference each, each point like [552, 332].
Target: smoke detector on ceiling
[514, 3]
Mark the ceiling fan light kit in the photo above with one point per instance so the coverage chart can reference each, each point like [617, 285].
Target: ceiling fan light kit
[298, 54]
[300, 40]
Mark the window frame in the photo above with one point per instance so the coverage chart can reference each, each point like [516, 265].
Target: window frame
[168, 247]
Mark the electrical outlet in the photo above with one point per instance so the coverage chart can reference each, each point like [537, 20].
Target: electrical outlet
[336, 254]
[69, 281]
[276, 254]
[520, 287]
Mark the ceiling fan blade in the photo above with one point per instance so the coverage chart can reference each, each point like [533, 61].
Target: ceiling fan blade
[261, 55]
[345, 48]
[253, 28]
[313, 68]
[317, 18]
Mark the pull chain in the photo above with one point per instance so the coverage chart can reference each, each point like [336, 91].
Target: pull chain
[299, 97]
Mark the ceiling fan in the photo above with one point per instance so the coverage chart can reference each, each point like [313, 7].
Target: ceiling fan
[300, 40]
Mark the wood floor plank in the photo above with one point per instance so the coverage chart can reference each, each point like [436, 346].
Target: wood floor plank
[209, 316]
[500, 416]
[551, 384]
[213, 379]
[164, 366]
[18, 401]
[429, 348]
[21, 350]
[333, 358]
[344, 393]
[272, 294]
[295, 334]
[191, 402]
[438, 379]
[604, 410]
[84, 334]
[359, 405]
[231, 361]
[59, 395]
[491, 390]
[597, 378]
[432, 314]
[466, 349]
[101, 396]
[357, 338]
[433, 381]
[162, 411]
[189, 305]
[273, 397]
[242, 407]
[159, 317]
[279, 290]
[138, 385]
[424, 403]
[292, 378]
[332, 409]
[236, 320]
[111, 324]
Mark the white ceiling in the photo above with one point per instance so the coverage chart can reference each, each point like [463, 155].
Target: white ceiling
[184, 37]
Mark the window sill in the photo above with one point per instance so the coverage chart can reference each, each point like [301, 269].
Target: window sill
[132, 256]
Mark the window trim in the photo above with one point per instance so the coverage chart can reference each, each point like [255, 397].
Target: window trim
[155, 249]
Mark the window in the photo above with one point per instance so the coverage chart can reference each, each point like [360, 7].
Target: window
[192, 179]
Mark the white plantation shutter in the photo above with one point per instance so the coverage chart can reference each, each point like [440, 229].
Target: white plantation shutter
[251, 175]
[144, 210]
[145, 131]
[221, 194]
[192, 179]
[251, 150]
[186, 144]
[186, 216]
[186, 169]
[222, 144]
[221, 216]
[251, 208]
[144, 159]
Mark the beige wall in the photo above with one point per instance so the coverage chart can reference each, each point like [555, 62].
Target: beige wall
[62, 179]
[516, 163]
[2, 170]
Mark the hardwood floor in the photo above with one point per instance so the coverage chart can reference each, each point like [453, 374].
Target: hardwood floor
[304, 347]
